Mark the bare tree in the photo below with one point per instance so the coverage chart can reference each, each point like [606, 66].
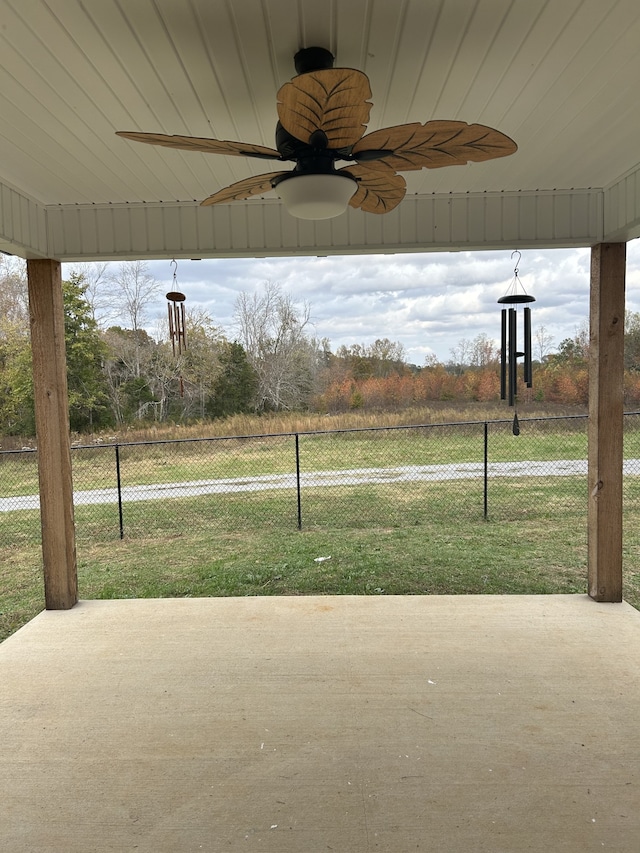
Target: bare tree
[461, 353]
[272, 330]
[544, 343]
[380, 359]
[483, 351]
[132, 291]
[96, 279]
[200, 363]
[14, 299]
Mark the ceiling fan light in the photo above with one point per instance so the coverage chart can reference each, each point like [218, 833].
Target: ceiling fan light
[316, 196]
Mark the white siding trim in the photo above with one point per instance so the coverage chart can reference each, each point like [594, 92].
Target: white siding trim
[622, 208]
[470, 221]
[22, 224]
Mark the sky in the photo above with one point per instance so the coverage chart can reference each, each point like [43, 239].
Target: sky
[429, 302]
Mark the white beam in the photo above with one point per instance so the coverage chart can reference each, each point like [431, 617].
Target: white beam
[255, 228]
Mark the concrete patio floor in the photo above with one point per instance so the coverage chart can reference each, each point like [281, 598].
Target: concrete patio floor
[479, 723]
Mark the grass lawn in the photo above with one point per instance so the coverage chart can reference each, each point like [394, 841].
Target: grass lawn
[426, 544]
[482, 557]
[414, 538]
[436, 444]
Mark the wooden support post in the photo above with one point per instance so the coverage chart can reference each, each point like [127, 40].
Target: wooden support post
[52, 429]
[606, 375]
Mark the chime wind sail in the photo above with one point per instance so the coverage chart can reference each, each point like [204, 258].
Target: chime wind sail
[509, 352]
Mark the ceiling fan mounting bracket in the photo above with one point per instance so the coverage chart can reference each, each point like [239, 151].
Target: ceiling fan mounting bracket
[313, 59]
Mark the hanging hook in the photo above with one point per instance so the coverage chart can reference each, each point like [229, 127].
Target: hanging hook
[519, 254]
[174, 264]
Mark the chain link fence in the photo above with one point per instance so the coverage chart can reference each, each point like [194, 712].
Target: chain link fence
[379, 477]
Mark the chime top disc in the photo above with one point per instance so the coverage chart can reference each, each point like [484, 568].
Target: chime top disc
[176, 296]
[516, 299]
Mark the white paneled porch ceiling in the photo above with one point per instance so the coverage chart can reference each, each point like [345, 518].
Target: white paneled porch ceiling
[560, 77]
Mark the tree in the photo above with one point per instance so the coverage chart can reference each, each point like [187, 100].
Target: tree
[86, 354]
[358, 363]
[479, 353]
[129, 353]
[97, 282]
[632, 340]
[14, 298]
[132, 291]
[16, 387]
[272, 330]
[199, 366]
[16, 380]
[483, 351]
[574, 350]
[378, 360]
[543, 343]
[461, 355]
[235, 388]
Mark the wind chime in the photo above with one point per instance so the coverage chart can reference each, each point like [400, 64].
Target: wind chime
[177, 325]
[509, 353]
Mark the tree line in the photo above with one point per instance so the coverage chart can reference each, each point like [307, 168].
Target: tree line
[123, 371]
[472, 374]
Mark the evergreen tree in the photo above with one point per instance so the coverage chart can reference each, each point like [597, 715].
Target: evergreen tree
[86, 354]
[235, 388]
[632, 341]
[17, 415]
[88, 398]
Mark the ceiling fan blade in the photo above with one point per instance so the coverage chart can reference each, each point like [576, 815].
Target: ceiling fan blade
[256, 185]
[208, 146]
[380, 189]
[436, 144]
[333, 101]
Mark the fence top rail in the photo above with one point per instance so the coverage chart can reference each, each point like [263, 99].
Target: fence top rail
[115, 444]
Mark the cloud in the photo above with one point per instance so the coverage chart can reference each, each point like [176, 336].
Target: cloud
[428, 302]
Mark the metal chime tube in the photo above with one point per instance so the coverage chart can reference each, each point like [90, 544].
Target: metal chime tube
[528, 365]
[182, 333]
[503, 356]
[513, 359]
[177, 326]
[172, 328]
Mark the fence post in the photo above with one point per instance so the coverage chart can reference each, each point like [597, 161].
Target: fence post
[298, 482]
[117, 447]
[486, 469]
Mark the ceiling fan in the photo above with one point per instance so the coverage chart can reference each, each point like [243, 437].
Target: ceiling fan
[323, 113]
